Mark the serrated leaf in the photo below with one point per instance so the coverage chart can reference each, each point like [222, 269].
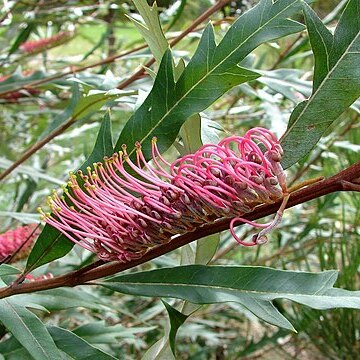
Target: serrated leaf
[212, 71]
[29, 331]
[52, 244]
[338, 89]
[253, 287]
[152, 32]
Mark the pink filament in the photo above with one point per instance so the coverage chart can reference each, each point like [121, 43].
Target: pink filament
[120, 215]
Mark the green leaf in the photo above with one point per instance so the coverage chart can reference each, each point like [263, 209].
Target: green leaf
[206, 248]
[253, 287]
[52, 244]
[334, 90]
[8, 270]
[33, 172]
[29, 331]
[93, 101]
[66, 114]
[64, 298]
[99, 333]
[160, 350]
[22, 37]
[321, 41]
[176, 320]
[49, 246]
[212, 71]
[151, 31]
[75, 346]
[190, 134]
[65, 340]
[287, 82]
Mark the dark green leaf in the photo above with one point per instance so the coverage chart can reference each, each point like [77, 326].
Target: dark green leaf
[22, 37]
[338, 89]
[65, 340]
[212, 71]
[29, 331]
[176, 320]
[321, 41]
[253, 287]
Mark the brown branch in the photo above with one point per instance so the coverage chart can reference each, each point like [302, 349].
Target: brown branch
[342, 181]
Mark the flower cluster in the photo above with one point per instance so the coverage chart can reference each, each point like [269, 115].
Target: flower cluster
[18, 240]
[36, 46]
[123, 207]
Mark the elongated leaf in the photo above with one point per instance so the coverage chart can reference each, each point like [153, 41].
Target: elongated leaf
[64, 298]
[29, 331]
[75, 346]
[35, 173]
[51, 244]
[212, 71]
[65, 340]
[99, 333]
[66, 114]
[321, 41]
[253, 287]
[22, 37]
[334, 90]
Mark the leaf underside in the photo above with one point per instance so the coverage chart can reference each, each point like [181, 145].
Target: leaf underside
[253, 287]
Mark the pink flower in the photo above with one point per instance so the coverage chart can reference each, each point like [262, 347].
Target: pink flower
[125, 208]
[36, 46]
[19, 239]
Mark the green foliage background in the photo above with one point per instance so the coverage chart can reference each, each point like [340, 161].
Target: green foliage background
[255, 79]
